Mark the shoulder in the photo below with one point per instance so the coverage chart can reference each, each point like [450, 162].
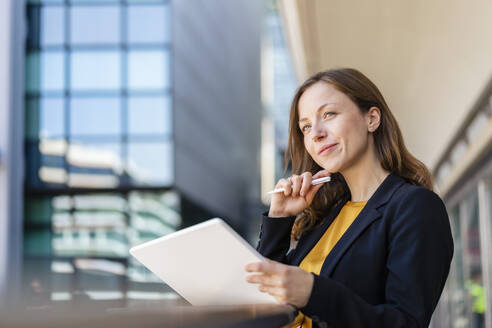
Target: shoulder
[418, 216]
[409, 195]
[417, 206]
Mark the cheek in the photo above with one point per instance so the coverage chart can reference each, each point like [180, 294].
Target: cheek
[355, 139]
[308, 144]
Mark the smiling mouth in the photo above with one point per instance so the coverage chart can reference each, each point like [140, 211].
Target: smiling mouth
[326, 149]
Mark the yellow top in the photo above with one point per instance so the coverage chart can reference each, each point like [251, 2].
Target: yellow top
[315, 258]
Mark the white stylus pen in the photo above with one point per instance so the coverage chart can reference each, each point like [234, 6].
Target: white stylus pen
[313, 183]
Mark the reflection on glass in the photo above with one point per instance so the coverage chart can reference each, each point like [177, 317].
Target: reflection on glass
[145, 1]
[37, 242]
[91, 70]
[61, 203]
[45, 71]
[46, 162]
[113, 202]
[45, 1]
[150, 163]
[148, 69]
[95, 25]
[95, 1]
[148, 24]
[52, 25]
[37, 210]
[77, 140]
[94, 165]
[154, 213]
[45, 118]
[95, 116]
[149, 115]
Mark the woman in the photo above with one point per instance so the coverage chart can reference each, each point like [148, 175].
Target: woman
[372, 247]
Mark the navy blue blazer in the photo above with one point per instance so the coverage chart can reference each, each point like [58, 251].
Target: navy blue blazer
[387, 270]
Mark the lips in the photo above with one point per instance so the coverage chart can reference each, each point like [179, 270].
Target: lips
[326, 148]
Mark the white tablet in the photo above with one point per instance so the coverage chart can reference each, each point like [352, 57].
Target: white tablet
[204, 264]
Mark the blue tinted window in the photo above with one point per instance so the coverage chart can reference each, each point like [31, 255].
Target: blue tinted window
[150, 163]
[149, 115]
[98, 116]
[95, 25]
[149, 24]
[148, 69]
[45, 118]
[95, 70]
[94, 164]
[52, 25]
[95, 116]
[45, 71]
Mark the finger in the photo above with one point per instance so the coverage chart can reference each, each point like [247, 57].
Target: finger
[265, 280]
[287, 185]
[269, 267]
[307, 178]
[296, 185]
[322, 174]
[253, 267]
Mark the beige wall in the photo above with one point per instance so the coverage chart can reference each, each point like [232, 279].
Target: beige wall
[431, 59]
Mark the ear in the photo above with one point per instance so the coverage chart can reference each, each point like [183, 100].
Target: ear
[373, 119]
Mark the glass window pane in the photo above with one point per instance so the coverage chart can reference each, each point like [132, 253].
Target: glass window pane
[95, 25]
[52, 25]
[144, 1]
[96, 70]
[95, 116]
[45, 118]
[96, 1]
[149, 115]
[94, 165]
[149, 24]
[33, 114]
[45, 1]
[148, 69]
[45, 71]
[37, 242]
[150, 163]
[38, 210]
[45, 165]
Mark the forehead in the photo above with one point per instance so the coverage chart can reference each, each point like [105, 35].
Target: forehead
[319, 94]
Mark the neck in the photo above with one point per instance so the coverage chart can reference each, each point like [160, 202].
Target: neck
[364, 177]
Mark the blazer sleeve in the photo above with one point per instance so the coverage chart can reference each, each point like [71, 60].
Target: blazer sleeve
[274, 240]
[420, 249]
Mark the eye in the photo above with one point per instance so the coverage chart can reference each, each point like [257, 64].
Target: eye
[305, 128]
[326, 114]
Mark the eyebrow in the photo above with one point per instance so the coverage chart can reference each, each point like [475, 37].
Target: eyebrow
[317, 111]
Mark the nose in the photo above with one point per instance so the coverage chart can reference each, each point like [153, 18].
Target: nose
[319, 133]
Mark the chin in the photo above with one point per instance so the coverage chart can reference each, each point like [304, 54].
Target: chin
[330, 167]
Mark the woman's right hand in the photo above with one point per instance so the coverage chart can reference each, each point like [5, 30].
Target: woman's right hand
[298, 194]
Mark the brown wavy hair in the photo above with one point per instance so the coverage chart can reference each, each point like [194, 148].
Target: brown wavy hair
[388, 140]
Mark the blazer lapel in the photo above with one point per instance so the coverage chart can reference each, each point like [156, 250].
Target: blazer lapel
[369, 214]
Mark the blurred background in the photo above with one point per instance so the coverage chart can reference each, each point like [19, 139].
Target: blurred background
[125, 120]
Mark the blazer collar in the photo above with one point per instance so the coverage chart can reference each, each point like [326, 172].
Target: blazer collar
[368, 215]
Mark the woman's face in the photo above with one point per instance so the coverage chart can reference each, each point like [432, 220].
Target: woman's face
[335, 130]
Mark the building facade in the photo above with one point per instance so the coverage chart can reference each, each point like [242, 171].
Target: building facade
[124, 121]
